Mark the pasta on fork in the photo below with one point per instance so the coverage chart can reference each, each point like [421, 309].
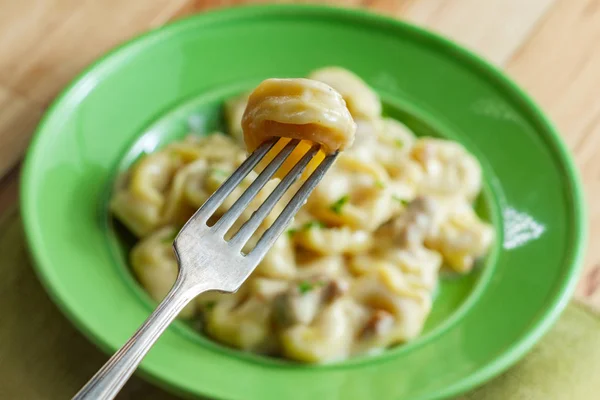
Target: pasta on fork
[297, 109]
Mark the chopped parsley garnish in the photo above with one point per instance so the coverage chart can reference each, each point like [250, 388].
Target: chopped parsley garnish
[380, 184]
[209, 305]
[399, 143]
[306, 227]
[312, 224]
[220, 172]
[336, 207]
[306, 286]
[292, 232]
[404, 202]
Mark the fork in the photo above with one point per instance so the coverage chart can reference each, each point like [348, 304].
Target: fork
[209, 262]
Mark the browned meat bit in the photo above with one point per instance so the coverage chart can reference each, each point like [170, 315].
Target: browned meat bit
[281, 310]
[304, 298]
[379, 323]
[413, 225]
[418, 221]
[334, 290]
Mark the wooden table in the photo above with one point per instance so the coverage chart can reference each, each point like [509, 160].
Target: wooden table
[550, 47]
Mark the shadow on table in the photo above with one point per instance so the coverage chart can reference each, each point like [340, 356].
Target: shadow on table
[42, 356]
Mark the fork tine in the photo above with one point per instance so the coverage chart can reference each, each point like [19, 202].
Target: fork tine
[271, 235]
[227, 220]
[250, 226]
[214, 201]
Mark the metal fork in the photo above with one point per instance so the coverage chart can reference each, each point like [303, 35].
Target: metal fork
[209, 262]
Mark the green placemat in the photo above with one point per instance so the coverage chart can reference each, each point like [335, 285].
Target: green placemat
[43, 357]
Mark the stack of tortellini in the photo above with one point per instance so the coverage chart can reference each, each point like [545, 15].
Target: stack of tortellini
[356, 271]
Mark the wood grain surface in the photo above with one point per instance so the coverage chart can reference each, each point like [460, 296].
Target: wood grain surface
[550, 47]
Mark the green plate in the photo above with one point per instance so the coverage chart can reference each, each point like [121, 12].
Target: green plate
[161, 85]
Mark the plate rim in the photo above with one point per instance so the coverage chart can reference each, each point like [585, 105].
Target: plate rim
[579, 223]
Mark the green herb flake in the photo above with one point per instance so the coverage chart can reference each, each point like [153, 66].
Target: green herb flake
[220, 172]
[404, 202]
[292, 232]
[399, 143]
[336, 207]
[380, 184]
[305, 287]
[312, 224]
[209, 305]
[305, 227]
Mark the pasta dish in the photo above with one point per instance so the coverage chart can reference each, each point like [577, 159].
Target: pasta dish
[357, 270]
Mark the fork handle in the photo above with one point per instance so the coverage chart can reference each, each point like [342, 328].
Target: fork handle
[107, 382]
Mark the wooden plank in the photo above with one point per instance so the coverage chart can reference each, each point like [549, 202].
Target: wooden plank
[9, 191]
[493, 29]
[43, 356]
[18, 118]
[87, 31]
[24, 25]
[44, 43]
[559, 66]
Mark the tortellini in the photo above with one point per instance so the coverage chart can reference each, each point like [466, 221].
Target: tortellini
[234, 111]
[141, 194]
[461, 238]
[356, 271]
[154, 264]
[326, 339]
[167, 186]
[354, 194]
[361, 100]
[242, 321]
[448, 168]
[334, 240]
[297, 109]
